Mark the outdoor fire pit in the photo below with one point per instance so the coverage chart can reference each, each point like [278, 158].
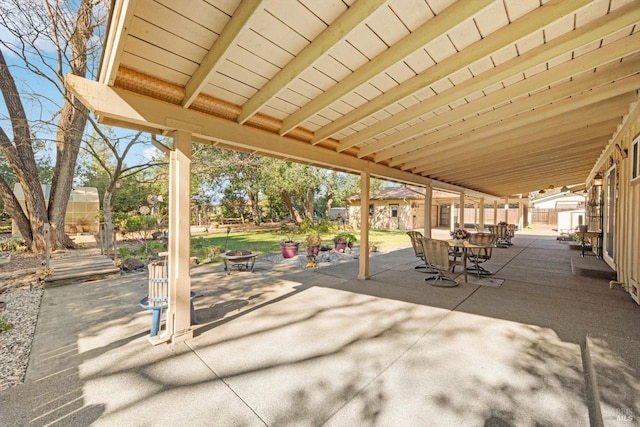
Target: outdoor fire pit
[241, 260]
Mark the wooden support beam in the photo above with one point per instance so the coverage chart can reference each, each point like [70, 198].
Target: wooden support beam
[363, 260]
[201, 76]
[581, 36]
[433, 28]
[338, 30]
[522, 27]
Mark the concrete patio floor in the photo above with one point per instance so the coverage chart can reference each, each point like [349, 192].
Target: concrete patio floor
[284, 347]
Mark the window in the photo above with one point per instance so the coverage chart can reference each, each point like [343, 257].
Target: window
[394, 211]
[635, 159]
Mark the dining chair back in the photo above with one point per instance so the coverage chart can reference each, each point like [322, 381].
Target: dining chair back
[436, 255]
[415, 236]
[482, 254]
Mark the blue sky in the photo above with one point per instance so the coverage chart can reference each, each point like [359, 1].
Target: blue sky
[41, 101]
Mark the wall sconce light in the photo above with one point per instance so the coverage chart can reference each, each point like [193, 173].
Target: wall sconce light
[623, 153]
[597, 180]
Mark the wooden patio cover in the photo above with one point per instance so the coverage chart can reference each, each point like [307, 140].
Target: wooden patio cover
[487, 97]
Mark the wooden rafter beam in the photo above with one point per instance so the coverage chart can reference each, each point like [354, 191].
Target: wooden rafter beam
[529, 136]
[499, 165]
[544, 15]
[495, 154]
[243, 14]
[433, 28]
[338, 30]
[554, 112]
[595, 30]
[128, 109]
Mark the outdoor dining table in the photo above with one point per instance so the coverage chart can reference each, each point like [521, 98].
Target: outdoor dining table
[465, 247]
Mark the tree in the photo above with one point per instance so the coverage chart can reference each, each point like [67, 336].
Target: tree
[50, 39]
[108, 153]
[295, 183]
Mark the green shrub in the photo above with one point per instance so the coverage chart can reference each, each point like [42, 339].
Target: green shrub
[124, 252]
[139, 225]
[12, 244]
[5, 325]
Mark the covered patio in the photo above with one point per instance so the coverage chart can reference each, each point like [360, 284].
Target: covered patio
[314, 347]
[490, 99]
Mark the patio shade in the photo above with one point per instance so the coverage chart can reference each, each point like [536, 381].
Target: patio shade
[495, 97]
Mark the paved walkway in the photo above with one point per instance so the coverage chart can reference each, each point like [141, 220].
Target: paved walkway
[282, 347]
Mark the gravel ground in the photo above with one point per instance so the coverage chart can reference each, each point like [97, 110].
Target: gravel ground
[21, 310]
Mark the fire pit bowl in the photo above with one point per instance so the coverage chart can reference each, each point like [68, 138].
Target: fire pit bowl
[240, 259]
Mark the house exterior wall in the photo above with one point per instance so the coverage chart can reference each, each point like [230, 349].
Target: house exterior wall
[410, 214]
[627, 218]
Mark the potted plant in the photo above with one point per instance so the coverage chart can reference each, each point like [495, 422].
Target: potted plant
[313, 242]
[344, 240]
[460, 234]
[289, 247]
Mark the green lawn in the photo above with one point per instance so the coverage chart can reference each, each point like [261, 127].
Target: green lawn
[266, 242]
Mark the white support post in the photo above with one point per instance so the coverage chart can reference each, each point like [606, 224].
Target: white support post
[506, 210]
[363, 271]
[179, 315]
[520, 215]
[461, 212]
[452, 216]
[428, 200]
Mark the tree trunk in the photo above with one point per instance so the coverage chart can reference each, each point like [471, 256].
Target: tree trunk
[73, 119]
[309, 201]
[12, 206]
[286, 198]
[22, 161]
[108, 221]
[327, 208]
[255, 211]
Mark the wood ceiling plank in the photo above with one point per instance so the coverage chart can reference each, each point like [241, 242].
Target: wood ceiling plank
[509, 158]
[545, 123]
[549, 172]
[479, 172]
[122, 14]
[412, 13]
[510, 34]
[621, 18]
[173, 19]
[558, 93]
[310, 54]
[574, 131]
[517, 137]
[170, 75]
[297, 17]
[387, 26]
[243, 14]
[159, 56]
[417, 39]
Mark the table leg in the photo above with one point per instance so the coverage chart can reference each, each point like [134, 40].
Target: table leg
[464, 264]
